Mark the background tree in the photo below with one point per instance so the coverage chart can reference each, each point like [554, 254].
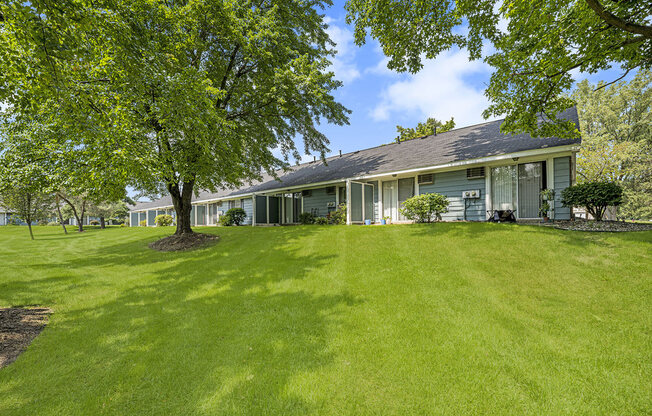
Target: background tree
[616, 127]
[108, 210]
[177, 96]
[25, 184]
[27, 204]
[534, 58]
[431, 126]
[75, 207]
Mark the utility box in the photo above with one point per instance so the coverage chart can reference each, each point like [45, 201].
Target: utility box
[473, 194]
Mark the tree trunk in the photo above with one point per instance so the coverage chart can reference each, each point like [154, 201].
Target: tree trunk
[102, 223]
[61, 218]
[28, 216]
[182, 200]
[80, 220]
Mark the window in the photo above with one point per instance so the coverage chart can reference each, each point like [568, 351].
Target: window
[473, 173]
[306, 193]
[426, 179]
[330, 190]
[503, 187]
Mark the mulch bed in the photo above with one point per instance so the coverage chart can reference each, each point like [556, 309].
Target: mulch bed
[183, 242]
[18, 328]
[596, 226]
[601, 226]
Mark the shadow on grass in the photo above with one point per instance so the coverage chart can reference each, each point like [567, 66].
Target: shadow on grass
[216, 330]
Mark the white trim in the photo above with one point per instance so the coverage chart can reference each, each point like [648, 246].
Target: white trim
[348, 202]
[253, 210]
[525, 153]
[380, 200]
[550, 183]
[487, 190]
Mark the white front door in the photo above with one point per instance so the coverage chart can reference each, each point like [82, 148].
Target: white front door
[390, 200]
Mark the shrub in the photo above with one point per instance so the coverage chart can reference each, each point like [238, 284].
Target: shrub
[94, 222]
[163, 220]
[42, 222]
[425, 207]
[53, 223]
[339, 215]
[321, 221]
[143, 223]
[595, 197]
[237, 215]
[226, 220]
[306, 218]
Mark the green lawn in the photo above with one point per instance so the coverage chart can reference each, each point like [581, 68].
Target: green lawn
[333, 320]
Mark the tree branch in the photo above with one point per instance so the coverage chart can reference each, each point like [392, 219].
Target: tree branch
[616, 21]
[614, 81]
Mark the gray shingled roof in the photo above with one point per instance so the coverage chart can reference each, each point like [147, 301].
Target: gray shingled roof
[481, 140]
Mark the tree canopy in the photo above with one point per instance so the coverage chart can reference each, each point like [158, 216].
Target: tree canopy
[534, 57]
[431, 126]
[172, 96]
[616, 127]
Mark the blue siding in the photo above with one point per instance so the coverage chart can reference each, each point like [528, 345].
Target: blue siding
[247, 205]
[562, 181]
[451, 185]
[318, 200]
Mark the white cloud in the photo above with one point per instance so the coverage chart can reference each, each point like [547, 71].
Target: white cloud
[343, 65]
[439, 90]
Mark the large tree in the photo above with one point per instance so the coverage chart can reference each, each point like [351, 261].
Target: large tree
[616, 126]
[535, 57]
[176, 95]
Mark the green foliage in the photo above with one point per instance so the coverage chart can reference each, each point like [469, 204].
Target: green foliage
[544, 209]
[534, 57]
[143, 223]
[226, 220]
[53, 223]
[163, 220]
[94, 222]
[321, 221]
[616, 147]
[171, 96]
[237, 215]
[425, 207]
[339, 215]
[431, 126]
[595, 197]
[306, 218]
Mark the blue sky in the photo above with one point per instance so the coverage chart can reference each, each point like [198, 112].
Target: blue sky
[449, 86]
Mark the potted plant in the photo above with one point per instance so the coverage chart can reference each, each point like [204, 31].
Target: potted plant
[547, 194]
[385, 220]
[543, 211]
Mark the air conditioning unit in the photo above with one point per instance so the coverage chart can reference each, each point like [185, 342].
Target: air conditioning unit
[473, 194]
[426, 179]
[330, 204]
[474, 173]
